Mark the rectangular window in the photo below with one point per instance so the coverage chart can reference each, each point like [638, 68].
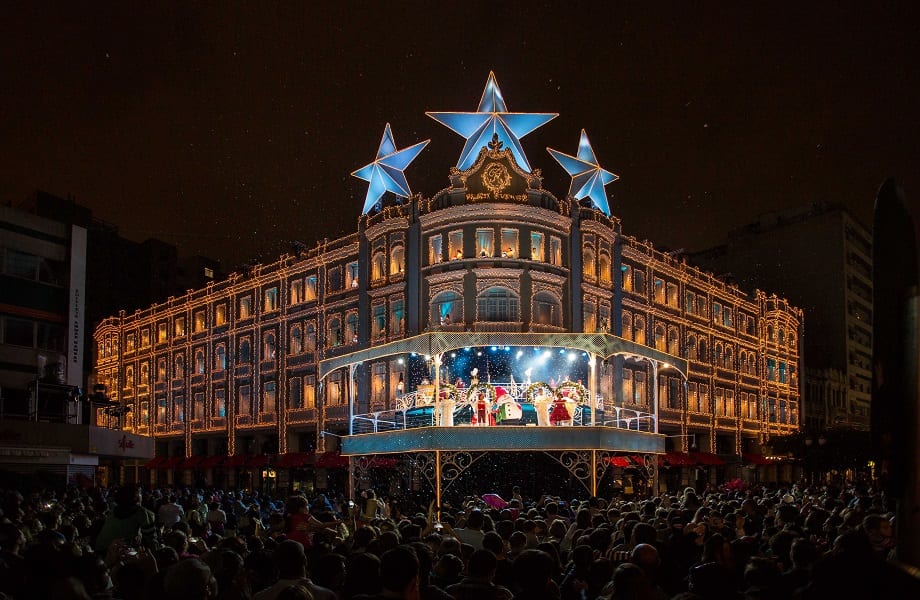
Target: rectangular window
[435, 255]
[716, 312]
[730, 403]
[220, 314]
[689, 302]
[673, 393]
[704, 398]
[244, 403]
[727, 319]
[659, 290]
[536, 246]
[179, 407]
[672, 295]
[18, 332]
[180, 326]
[145, 337]
[245, 307]
[379, 384]
[701, 306]
[268, 397]
[510, 243]
[485, 243]
[199, 321]
[719, 399]
[334, 389]
[590, 317]
[627, 281]
[603, 319]
[310, 290]
[555, 251]
[334, 279]
[638, 281]
[21, 264]
[397, 314]
[693, 398]
[782, 372]
[295, 393]
[640, 393]
[309, 391]
[198, 407]
[627, 386]
[220, 403]
[771, 369]
[351, 275]
[297, 291]
[271, 299]
[129, 342]
[455, 244]
[380, 321]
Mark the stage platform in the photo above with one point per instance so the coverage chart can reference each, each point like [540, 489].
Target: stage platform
[504, 439]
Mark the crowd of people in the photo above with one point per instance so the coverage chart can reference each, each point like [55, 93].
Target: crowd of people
[133, 543]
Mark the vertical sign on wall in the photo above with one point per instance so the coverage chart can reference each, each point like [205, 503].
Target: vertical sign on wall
[77, 303]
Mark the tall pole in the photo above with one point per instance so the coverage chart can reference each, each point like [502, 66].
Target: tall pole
[592, 386]
[437, 481]
[437, 392]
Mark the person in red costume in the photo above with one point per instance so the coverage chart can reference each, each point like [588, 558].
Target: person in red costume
[560, 414]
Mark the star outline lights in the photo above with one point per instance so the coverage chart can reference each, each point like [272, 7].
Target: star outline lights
[492, 118]
[588, 178]
[385, 173]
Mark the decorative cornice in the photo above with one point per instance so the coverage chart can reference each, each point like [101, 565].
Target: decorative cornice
[400, 223]
[488, 212]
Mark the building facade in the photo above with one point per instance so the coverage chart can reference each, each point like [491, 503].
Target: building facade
[231, 368]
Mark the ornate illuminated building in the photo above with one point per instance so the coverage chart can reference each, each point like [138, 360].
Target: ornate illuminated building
[237, 367]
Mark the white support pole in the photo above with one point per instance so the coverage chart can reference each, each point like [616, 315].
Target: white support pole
[352, 369]
[438, 420]
[592, 386]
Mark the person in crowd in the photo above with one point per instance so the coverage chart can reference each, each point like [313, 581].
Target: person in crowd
[128, 521]
[291, 564]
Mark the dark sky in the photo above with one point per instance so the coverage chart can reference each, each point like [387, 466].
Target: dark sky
[231, 129]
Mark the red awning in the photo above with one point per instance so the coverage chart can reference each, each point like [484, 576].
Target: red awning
[294, 460]
[171, 462]
[237, 460]
[707, 458]
[619, 461]
[638, 459]
[679, 459]
[191, 462]
[258, 461]
[212, 461]
[331, 460]
[756, 459]
[153, 463]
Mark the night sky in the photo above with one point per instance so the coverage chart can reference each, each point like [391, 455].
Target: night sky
[232, 130]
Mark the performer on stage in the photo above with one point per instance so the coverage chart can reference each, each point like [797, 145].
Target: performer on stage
[560, 414]
[482, 410]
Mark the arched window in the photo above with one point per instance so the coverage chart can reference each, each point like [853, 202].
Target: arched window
[673, 342]
[729, 358]
[627, 326]
[220, 357]
[782, 336]
[129, 377]
[639, 330]
[791, 340]
[752, 364]
[379, 266]
[397, 260]
[179, 367]
[703, 352]
[245, 351]
[296, 339]
[770, 333]
[659, 338]
[717, 354]
[446, 308]
[547, 309]
[498, 304]
[588, 267]
[199, 361]
[161, 369]
[691, 347]
[334, 336]
[145, 374]
[268, 346]
[742, 361]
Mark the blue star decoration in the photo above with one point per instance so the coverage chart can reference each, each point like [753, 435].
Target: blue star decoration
[491, 119]
[588, 178]
[385, 174]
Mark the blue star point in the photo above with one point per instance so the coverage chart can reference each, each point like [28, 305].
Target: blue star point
[492, 118]
[588, 177]
[385, 173]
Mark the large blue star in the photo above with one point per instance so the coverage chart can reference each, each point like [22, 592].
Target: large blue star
[385, 174]
[588, 178]
[492, 118]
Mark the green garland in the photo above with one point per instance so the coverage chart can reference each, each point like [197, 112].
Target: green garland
[532, 389]
[472, 393]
